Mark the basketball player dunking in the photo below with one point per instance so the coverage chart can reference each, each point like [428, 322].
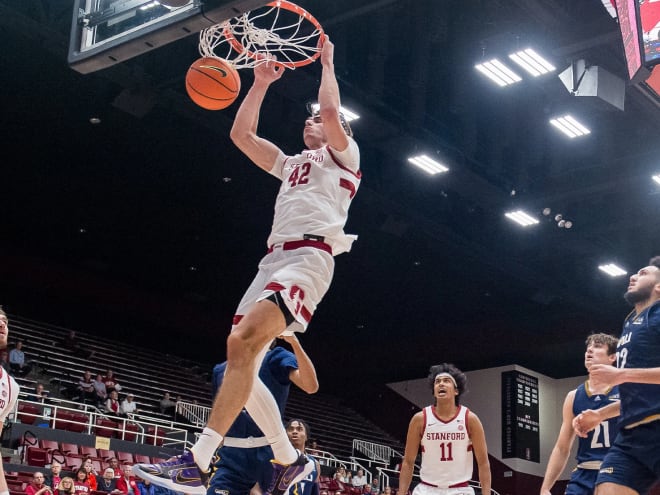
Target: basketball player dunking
[8, 393]
[311, 210]
[449, 435]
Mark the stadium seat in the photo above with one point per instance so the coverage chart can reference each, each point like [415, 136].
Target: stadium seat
[141, 459]
[125, 458]
[87, 451]
[69, 448]
[130, 432]
[49, 445]
[106, 427]
[28, 413]
[36, 456]
[106, 455]
[79, 422]
[73, 462]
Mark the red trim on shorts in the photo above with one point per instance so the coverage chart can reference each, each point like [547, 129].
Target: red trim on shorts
[289, 245]
[457, 485]
[274, 286]
[237, 319]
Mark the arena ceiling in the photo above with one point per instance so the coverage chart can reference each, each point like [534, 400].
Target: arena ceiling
[149, 225]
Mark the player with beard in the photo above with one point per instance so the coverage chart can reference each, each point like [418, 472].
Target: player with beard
[632, 465]
[449, 435]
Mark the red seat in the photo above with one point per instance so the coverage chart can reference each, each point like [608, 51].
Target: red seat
[87, 451]
[155, 435]
[125, 458]
[27, 413]
[79, 422]
[106, 427]
[106, 454]
[36, 456]
[16, 485]
[61, 419]
[141, 459]
[69, 448]
[130, 432]
[49, 445]
[73, 463]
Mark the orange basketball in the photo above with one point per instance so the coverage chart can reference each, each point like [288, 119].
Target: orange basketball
[212, 83]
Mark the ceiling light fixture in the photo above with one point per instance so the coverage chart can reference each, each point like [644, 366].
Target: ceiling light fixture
[532, 62]
[428, 165]
[612, 270]
[349, 115]
[656, 178]
[497, 72]
[521, 218]
[570, 126]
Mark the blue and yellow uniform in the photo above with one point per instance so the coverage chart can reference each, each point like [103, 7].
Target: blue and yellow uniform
[634, 459]
[592, 449]
[310, 485]
[244, 459]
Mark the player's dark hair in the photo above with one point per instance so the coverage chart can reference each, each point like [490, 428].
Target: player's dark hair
[308, 433]
[458, 375]
[603, 338]
[655, 261]
[2, 312]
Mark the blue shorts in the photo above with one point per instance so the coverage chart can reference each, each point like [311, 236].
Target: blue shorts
[582, 482]
[634, 458]
[239, 469]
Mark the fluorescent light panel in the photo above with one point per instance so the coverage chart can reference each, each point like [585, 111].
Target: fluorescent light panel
[497, 72]
[656, 178]
[349, 115]
[521, 218]
[612, 270]
[570, 126]
[532, 62]
[428, 165]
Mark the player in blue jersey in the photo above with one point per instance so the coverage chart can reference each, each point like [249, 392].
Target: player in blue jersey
[244, 458]
[298, 433]
[632, 465]
[601, 349]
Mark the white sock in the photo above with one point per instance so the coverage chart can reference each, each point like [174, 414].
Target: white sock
[263, 409]
[203, 450]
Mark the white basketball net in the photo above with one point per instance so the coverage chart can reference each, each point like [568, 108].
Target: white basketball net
[281, 28]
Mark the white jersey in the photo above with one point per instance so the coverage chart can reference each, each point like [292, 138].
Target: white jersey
[9, 390]
[447, 458]
[316, 192]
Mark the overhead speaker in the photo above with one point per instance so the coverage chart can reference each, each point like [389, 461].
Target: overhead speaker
[581, 79]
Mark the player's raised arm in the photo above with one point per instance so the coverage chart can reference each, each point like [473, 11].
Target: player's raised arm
[244, 131]
[329, 101]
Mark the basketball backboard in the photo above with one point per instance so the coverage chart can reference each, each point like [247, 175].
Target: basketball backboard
[106, 32]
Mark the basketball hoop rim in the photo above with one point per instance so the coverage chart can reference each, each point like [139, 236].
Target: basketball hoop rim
[292, 7]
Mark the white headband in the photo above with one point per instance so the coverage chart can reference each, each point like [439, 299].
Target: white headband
[444, 373]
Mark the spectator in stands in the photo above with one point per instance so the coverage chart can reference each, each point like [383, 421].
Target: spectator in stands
[38, 395]
[80, 484]
[387, 490]
[37, 486]
[127, 483]
[101, 391]
[54, 478]
[64, 487]
[114, 464]
[147, 488]
[129, 406]
[112, 403]
[360, 479]
[167, 405]
[366, 489]
[4, 360]
[108, 483]
[375, 486]
[72, 343]
[92, 476]
[17, 360]
[86, 392]
[111, 382]
[348, 477]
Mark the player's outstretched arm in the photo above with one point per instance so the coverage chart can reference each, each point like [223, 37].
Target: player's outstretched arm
[329, 101]
[415, 430]
[305, 376]
[244, 131]
[562, 449]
